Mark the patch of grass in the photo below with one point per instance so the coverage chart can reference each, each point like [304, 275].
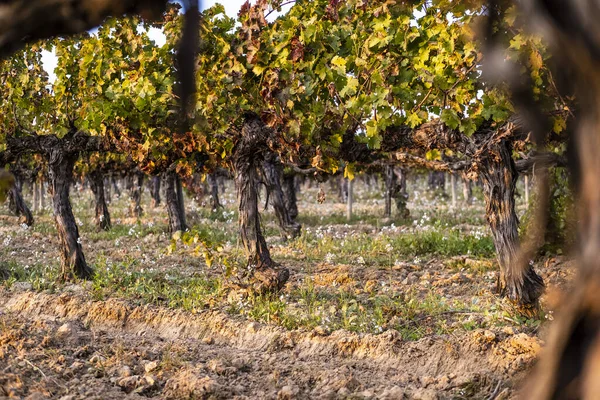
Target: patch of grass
[384, 249]
[150, 286]
[41, 276]
[44, 227]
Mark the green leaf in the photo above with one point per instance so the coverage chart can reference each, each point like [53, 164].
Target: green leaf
[350, 88]
[450, 118]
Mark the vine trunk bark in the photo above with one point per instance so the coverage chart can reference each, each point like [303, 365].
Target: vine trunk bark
[135, 183]
[60, 172]
[155, 191]
[522, 285]
[395, 191]
[17, 203]
[289, 195]
[175, 208]
[213, 183]
[467, 186]
[102, 215]
[272, 171]
[248, 158]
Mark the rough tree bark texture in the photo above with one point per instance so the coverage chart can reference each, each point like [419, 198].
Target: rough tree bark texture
[60, 172]
[102, 215]
[176, 212]
[289, 195]
[248, 158]
[213, 183]
[180, 201]
[272, 171]
[135, 182]
[155, 191]
[499, 175]
[17, 203]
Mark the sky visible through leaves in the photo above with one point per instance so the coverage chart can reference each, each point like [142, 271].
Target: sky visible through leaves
[231, 8]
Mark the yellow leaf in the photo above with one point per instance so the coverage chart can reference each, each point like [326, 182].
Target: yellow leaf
[535, 58]
[349, 171]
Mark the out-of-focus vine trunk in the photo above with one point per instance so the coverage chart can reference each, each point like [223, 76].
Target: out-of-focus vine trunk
[247, 159]
[436, 180]
[498, 174]
[467, 188]
[102, 215]
[180, 201]
[395, 191]
[107, 189]
[289, 195]
[569, 367]
[35, 187]
[135, 182]
[213, 183]
[175, 208]
[115, 186]
[272, 171]
[17, 204]
[155, 190]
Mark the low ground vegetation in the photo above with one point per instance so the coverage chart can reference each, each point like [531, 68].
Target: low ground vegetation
[402, 282]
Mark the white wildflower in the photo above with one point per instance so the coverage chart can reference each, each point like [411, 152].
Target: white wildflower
[329, 258]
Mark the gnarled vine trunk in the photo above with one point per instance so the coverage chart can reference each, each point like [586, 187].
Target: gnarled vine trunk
[289, 195]
[395, 189]
[102, 215]
[436, 180]
[467, 188]
[115, 186]
[174, 204]
[213, 183]
[17, 204]
[180, 201]
[498, 175]
[60, 172]
[135, 183]
[155, 191]
[35, 187]
[248, 158]
[272, 171]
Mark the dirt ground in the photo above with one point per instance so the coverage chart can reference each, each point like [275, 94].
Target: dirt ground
[67, 342]
[68, 346]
